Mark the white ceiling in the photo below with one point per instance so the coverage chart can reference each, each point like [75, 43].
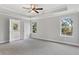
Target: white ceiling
[17, 8]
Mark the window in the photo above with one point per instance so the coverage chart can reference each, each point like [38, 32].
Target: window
[15, 26]
[66, 26]
[34, 27]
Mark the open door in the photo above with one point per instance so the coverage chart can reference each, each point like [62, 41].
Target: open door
[14, 29]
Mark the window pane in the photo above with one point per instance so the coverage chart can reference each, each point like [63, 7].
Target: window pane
[34, 27]
[67, 27]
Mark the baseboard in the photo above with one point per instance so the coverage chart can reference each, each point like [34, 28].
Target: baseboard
[2, 42]
[59, 42]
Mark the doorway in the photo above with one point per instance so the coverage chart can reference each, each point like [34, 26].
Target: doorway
[14, 29]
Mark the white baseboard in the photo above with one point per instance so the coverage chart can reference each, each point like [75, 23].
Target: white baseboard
[1, 42]
[60, 42]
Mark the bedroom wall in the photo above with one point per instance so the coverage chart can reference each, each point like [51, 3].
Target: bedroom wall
[73, 6]
[49, 28]
[4, 29]
[26, 29]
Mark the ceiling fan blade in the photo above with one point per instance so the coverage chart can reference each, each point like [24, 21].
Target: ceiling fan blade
[39, 8]
[36, 11]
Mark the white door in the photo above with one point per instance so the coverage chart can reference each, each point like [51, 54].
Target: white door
[14, 30]
[26, 29]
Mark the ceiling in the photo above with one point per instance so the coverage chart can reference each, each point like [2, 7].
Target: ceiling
[17, 8]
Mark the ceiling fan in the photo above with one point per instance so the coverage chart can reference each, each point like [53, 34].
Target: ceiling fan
[33, 8]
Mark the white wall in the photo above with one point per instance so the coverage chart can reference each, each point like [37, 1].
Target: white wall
[25, 32]
[49, 28]
[26, 29]
[4, 29]
[73, 6]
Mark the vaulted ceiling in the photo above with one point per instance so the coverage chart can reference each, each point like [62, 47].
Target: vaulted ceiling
[17, 8]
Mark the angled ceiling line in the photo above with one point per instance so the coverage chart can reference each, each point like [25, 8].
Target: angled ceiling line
[10, 10]
[12, 15]
[23, 15]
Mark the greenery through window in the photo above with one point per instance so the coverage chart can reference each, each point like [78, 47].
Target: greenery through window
[34, 27]
[67, 28]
